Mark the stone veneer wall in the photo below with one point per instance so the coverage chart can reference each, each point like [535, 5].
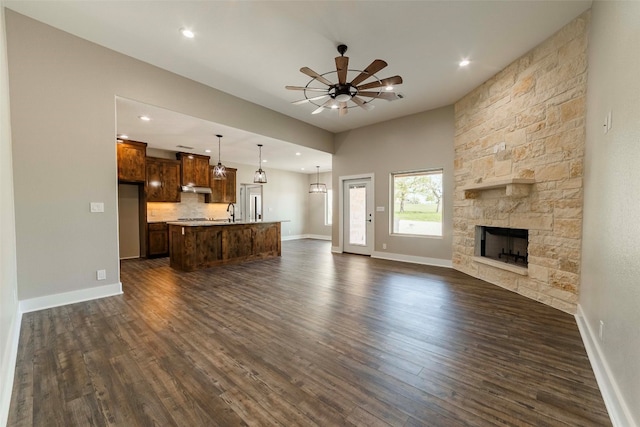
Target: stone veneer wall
[536, 106]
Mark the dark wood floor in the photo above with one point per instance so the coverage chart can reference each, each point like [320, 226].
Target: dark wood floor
[312, 338]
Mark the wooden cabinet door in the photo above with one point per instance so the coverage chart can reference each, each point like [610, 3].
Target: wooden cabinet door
[266, 239]
[131, 161]
[223, 190]
[236, 242]
[158, 239]
[171, 181]
[163, 177]
[230, 186]
[153, 185]
[195, 169]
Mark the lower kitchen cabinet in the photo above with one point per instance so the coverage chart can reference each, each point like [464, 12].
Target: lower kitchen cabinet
[157, 239]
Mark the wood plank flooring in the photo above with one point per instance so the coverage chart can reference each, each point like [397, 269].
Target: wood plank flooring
[311, 338]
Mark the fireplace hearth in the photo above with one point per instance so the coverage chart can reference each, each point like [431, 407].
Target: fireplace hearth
[508, 245]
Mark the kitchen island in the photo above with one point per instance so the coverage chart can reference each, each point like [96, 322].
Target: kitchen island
[195, 245]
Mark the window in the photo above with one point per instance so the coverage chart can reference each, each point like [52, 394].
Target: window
[328, 207]
[417, 203]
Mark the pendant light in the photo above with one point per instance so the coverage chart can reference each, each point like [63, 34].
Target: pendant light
[260, 177]
[318, 187]
[219, 171]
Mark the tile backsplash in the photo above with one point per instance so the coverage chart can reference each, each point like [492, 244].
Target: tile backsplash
[191, 206]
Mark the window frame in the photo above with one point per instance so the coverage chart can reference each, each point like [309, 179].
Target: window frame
[392, 193]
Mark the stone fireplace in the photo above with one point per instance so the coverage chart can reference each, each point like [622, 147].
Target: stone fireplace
[519, 150]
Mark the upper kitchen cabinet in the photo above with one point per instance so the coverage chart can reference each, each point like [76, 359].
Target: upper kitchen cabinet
[163, 180]
[131, 161]
[223, 190]
[195, 169]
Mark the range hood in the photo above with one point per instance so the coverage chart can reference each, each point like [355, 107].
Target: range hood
[199, 190]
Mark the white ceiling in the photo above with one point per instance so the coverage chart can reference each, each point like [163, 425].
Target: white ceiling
[253, 49]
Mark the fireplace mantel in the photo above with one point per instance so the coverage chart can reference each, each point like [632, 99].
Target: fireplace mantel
[514, 187]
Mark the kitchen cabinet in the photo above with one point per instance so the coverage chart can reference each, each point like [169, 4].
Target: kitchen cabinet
[131, 161]
[223, 190]
[198, 244]
[163, 180]
[157, 239]
[195, 169]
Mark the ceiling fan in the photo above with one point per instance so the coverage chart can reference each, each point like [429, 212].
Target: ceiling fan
[339, 94]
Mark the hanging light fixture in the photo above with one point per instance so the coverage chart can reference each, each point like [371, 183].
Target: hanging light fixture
[318, 187]
[260, 177]
[219, 171]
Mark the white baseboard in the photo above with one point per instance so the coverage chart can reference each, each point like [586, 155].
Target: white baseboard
[436, 262]
[613, 399]
[9, 366]
[336, 250]
[56, 300]
[305, 236]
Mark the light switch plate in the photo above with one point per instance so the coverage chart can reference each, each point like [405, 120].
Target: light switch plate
[379, 208]
[97, 207]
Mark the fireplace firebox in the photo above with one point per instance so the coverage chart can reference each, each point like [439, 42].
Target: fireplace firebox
[508, 245]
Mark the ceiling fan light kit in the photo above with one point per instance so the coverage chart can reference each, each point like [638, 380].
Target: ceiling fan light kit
[339, 94]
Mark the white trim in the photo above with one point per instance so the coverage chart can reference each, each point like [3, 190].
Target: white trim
[305, 236]
[9, 366]
[336, 250]
[436, 262]
[614, 401]
[56, 300]
[130, 257]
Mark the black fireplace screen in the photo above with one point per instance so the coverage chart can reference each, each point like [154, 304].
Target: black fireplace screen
[504, 244]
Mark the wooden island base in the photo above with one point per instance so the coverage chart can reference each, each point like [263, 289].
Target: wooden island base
[194, 247]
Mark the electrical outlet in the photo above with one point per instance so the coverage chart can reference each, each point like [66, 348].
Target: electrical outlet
[101, 274]
[384, 246]
[601, 332]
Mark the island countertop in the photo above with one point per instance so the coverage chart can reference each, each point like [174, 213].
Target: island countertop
[209, 223]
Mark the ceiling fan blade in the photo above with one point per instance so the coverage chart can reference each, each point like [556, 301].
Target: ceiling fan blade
[362, 103]
[373, 68]
[315, 98]
[389, 96]
[390, 81]
[309, 72]
[343, 109]
[323, 106]
[310, 89]
[342, 65]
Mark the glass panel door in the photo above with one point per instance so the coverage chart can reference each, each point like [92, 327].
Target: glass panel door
[358, 217]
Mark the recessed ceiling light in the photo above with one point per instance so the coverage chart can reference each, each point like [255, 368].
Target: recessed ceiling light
[264, 161]
[301, 169]
[187, 33]
[123, 136]
[464, 63]
[207, 151]
[298, 154]
[144, 118]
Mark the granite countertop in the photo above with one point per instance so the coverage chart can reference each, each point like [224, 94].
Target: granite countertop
[210, 223]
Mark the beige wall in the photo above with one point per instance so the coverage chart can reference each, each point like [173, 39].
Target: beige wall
[610, 288]
[316, 207]
[128, 221]
[536, 108]
[9, 314]
[65, 159]
[419, 141]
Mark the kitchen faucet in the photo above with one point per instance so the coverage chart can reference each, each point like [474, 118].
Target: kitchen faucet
[231, 208]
